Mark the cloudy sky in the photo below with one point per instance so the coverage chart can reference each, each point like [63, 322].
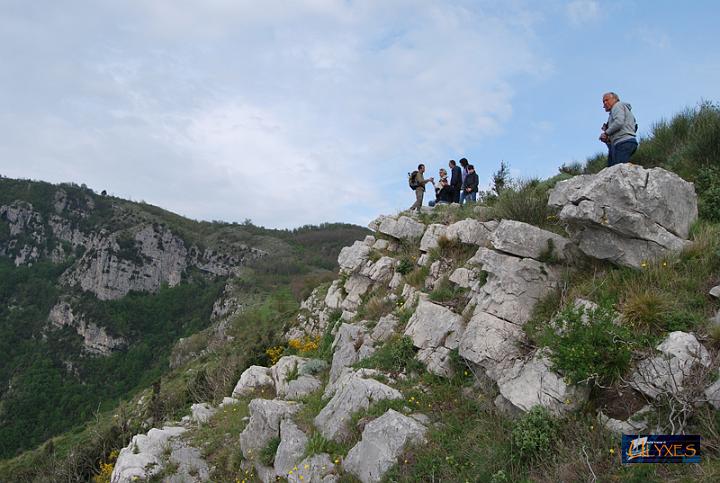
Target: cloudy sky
[304, 111]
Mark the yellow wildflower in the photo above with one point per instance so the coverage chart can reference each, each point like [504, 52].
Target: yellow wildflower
[612, 450]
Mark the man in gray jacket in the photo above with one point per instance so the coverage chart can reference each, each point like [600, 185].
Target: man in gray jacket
[619, 130]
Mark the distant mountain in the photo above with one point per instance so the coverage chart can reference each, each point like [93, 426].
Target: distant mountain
[95, 291]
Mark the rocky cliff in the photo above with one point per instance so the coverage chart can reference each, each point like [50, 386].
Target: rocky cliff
[462, 294]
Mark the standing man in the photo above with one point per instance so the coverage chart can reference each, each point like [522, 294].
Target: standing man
[470, 186]
[420, 183]
[619, 130]
[455, 181]
[464, 164]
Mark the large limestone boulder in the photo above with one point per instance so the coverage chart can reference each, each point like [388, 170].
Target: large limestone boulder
[355, 287]
[148, 454]
[264, 424]
[385, 328]
[514, 285]
[533, 383]
[291, 448]
[403, 228]
[334, 296]
[433, 326]
[627, 214]
[252, 379]
[435, 330]
[680, 354]
[353, 257]
[492, 343]
[383, 440]
[352, 393]
[380, 271]
[528, 241]
[433, 233]
[470, 231]
[291, 381]
[201, 412]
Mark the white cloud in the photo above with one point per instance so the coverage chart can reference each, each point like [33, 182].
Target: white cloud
[203, 107]
[580, 12]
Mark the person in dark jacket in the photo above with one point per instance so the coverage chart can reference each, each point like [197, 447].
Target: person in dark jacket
[455, 181]
[470, 185]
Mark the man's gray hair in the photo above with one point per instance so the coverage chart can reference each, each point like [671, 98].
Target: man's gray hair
[615, 96]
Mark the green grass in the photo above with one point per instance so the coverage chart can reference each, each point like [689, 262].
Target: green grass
[396, 355]
[219, 440]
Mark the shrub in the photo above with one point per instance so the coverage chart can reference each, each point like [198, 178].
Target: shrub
[524, 201]
[533, 434]
[406, 265]
[417, 277]
[396, 355]
[587, 345]
[375, 307]
[708, 187]
[449, 294]
[454, 249]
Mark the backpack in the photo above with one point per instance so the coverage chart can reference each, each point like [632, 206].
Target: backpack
[412, 180]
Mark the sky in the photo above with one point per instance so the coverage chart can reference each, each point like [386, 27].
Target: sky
[307, 111]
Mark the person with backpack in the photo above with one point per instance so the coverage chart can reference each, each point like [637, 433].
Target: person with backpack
[619, 132]
[470, 185]
[417, 183]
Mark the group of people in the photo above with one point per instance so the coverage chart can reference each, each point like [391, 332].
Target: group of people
[618, 133]
[462, 186]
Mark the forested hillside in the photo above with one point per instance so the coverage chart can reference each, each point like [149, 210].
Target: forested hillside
[96, 290]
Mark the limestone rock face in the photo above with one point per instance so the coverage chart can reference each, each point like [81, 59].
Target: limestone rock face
[157, 258]
[147, 455]
[471, 231]
[712, 393]
[96, 340]
[291, 448]
[432, 234]
[201, 412]
[514, 285]
[291, 381]
[403, 228]
[352, 393]
[351, 344]
[383, 441]
[385, 328]
[680, 354]
[492, 343]
[528, 241]
[353, 257]
[355, 286]
[380, 271]
[252, 379]
[334, 297]
[627, 214]
[532, 383]
[264, 424]
[433, 326]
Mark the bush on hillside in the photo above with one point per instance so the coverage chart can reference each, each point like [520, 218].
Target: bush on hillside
[589, 346]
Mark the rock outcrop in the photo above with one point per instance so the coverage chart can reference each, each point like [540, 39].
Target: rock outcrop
[96, 340]
[627, 214]
[148, 455]
[383, 440]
